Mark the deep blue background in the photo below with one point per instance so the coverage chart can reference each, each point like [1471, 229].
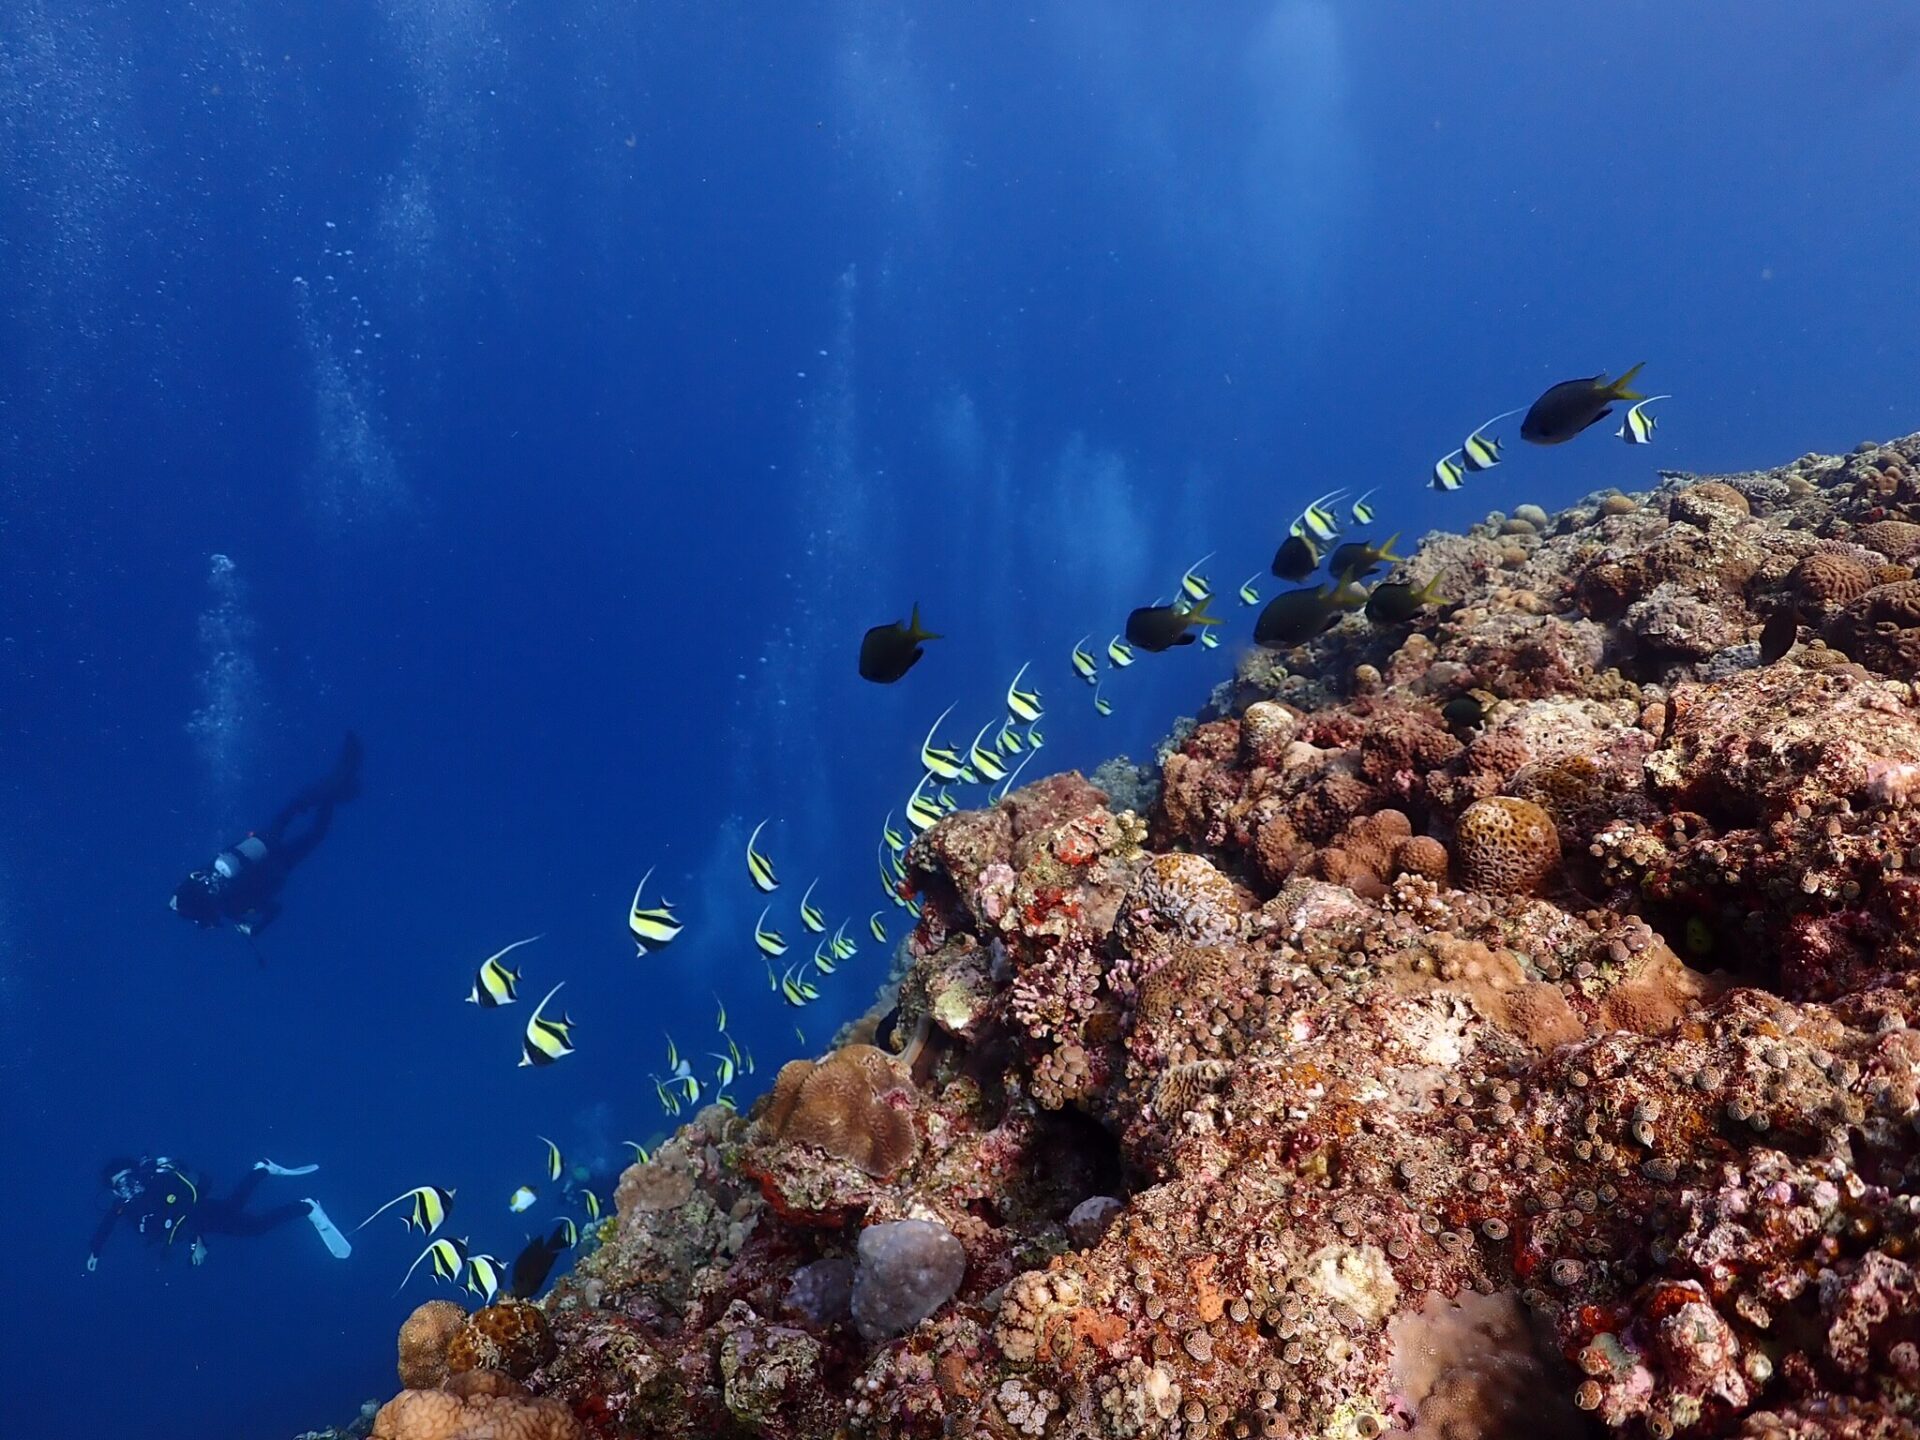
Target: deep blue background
[570, 389]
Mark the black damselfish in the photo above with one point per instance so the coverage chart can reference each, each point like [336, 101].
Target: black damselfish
[1572, 405]
[888, 651]
[1161, 627]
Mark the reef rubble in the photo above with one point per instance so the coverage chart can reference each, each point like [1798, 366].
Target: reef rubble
[1505, 1022]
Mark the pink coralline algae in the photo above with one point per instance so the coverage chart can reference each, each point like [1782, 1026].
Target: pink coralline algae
[1503, 1023]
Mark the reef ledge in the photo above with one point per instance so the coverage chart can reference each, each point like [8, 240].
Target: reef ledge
[1507, 1022]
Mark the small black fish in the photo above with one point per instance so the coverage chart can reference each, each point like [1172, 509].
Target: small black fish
[1572, 405]
[1161, 627]
[532, 1266]
[1389, 604]
[1357, 559]
[1782, 629]
[1294, 617]
[888, 651]
[1295, 559]
[1465, 712]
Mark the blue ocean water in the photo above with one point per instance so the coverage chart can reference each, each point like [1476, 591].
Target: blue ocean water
[553, 393]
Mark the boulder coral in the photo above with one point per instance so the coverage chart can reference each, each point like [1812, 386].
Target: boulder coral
[1503, 1022]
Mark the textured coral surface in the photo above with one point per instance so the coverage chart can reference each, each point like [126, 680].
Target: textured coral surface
[1506, 1022]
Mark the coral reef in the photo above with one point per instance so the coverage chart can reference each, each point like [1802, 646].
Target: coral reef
[424, 1338]
[1501, 1022]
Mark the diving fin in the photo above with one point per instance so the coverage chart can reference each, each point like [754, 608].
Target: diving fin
[337, 1244]
[273, 1169]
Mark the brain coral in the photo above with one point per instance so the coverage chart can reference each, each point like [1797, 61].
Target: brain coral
[1822, 581]
[1895, 539]
[838, 1105]
[512, 1337]
[443, 1415]
[1506, 845]
[424, 1336]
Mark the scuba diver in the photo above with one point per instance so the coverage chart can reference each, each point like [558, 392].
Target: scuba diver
[242, 886]
[169, 1206]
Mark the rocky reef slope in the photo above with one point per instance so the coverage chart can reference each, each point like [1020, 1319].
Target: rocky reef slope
[1503, 1023]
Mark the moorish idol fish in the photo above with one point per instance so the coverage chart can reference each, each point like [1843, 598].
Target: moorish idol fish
[922, 809]
[896, 842]
[823, 962]
[496, 984]
[641, 1154]
[655, 925]
[483, 1277]
[1317, 522]
[1361, 511]
[810, 915]
[1638, 427]
[771, 942]
[759, 867]
[1008, 741]
[556, 1167]
[1448, 472]
[840, 946]
[1481, 451]
[1084, 665]
[1249, 595]
[876, 928]
[546, 1040]
[1023, 705]
[986, 763]
[448, 1256]
[1119, 653]
[941, 760]
[429, 1208]
[592, 1202]
[1194, 585]
[1101, 705]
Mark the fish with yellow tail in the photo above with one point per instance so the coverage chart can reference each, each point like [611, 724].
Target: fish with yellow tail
[1571, 406]
[1399, 601]
[888, 651]
[1161, 627]
[546, 1040]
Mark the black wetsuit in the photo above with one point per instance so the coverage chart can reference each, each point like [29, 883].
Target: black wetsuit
[242, 887]
[170, 1206]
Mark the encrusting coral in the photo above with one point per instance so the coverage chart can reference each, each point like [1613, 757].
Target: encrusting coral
[424, 1338]
[1506, 1021]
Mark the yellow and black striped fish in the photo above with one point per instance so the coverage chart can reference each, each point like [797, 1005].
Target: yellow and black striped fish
[556, 1167]
[1638, 426]
[1249, 595]
[1317, 521]
[923, 811]
[1448, 472]
[723, 1070]
[483, 1277]
[1480, 451]
[1101, 705]
[641, 1155]
[1361, 511]
[759, 867]
[1084, 665]
[876, 927]
[771, 942]
[496, 984]
[448, 1256]
[1023, 705]
[428, 1208]
[942, 761]
[651, 926]
[822, 961]
[1194, 585]
[798, 992]
[840, 946]
[546, 1040]
[1008, 741]
[947, 803]
[1119, 653]
[669, 1102]
[896, 842]
[592, 1202]
[570, 1232]
[810, 915]
[1209, 639]
[986, 762]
